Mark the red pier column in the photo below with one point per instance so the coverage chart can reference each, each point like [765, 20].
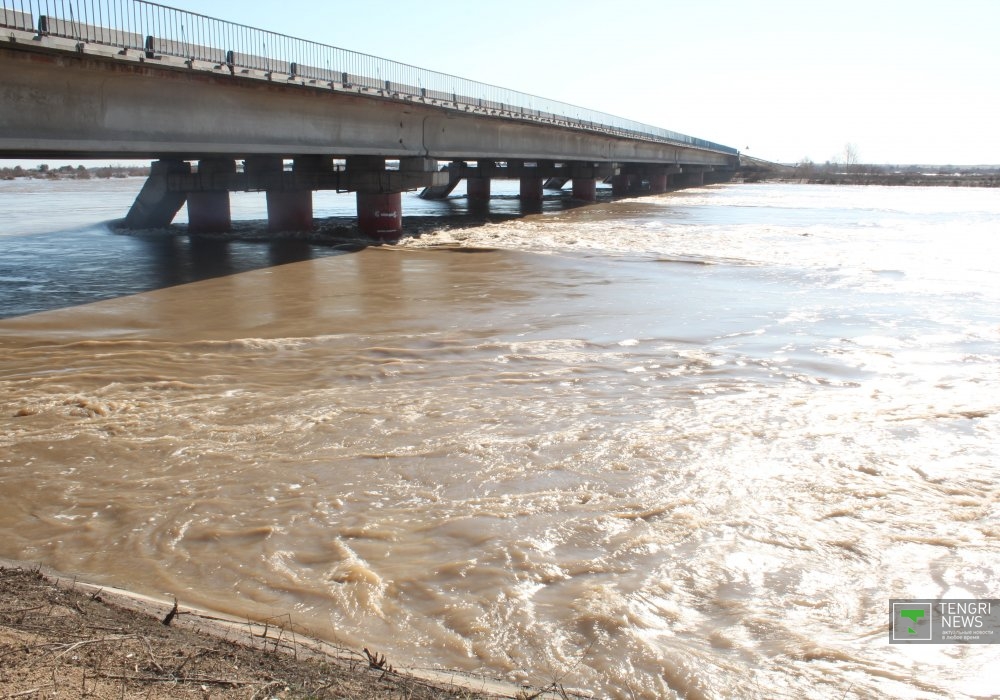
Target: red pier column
[289, 210]
[658, 183]
[380, 215]
[208, 210]
[694, 179]
[620, 184]
[478, 189]
[531, 188]
[585, 189]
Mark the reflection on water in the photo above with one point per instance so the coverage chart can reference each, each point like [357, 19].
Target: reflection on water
[682, 446]
[48, 271]
[70, 261]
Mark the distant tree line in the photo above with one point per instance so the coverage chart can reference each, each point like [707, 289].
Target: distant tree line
[68, 172]
[846, 168]
[840, 173]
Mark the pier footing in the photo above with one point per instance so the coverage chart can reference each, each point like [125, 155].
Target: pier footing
[380, 215]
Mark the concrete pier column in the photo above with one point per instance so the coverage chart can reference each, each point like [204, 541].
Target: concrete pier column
[156, 206]
[380, 215]
[289, 210]
[694, 179]
[478, 189]
[620, 184]
[658, 183]
[208, 210]
[267, 173]
[293, 209]
[531, 188]
[585, 189]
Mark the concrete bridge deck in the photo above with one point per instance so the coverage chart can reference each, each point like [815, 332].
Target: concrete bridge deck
[83, 90]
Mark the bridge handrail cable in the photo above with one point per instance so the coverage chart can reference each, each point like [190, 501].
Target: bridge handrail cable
[157, 29]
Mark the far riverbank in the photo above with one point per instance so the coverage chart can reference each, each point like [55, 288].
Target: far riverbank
[809, 173]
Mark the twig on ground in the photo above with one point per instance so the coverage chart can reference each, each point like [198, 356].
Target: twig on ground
[377, 661]
[22, 610]
[152, 656]
[170, 615]
[204, 680]
[77, 645]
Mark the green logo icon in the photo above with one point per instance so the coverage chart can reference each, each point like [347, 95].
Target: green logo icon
[914, 615]
[912, 621]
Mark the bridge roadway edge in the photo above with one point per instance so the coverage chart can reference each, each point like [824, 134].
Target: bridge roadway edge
[75, 101]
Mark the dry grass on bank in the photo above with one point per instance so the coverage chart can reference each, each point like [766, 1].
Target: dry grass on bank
[61, 639]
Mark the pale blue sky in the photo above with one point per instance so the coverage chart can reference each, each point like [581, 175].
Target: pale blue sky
[905, 81]
[909, 81]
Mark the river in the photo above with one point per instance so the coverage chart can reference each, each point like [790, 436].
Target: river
[685, 445]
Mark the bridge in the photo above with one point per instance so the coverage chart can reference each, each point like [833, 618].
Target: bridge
[222, 107]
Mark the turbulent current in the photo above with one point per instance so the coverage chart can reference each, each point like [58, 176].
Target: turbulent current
[685, 445]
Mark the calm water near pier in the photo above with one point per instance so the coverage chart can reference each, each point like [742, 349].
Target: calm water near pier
[676, 446]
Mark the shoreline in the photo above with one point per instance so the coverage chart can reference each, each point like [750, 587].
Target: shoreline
[44, 614]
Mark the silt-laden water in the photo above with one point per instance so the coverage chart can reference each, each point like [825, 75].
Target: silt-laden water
[678, 446]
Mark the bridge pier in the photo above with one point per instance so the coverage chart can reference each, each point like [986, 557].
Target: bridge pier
[287, 210]
[658, 183]
[454, 170]
[380, 214]
[623, 184]
[478, 189]
[585, 189]
[209, 211]
[379, 200]
[156, 206]
[692, 178]
[531, 188]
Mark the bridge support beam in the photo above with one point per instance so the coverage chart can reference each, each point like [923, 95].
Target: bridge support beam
[156, 206]
[531, 188]
[380, 214]
[658, 183]
[690, 178]
[287, 210]
[454, 170]
[478, 189]
[585, 189]
[379, 203]
[621, 184]
[209, 211]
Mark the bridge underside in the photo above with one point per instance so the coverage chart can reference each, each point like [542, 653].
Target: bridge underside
[62, 101]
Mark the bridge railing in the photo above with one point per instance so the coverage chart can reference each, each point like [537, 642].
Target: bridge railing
[159, 30]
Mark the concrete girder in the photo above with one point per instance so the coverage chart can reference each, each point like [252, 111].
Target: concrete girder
[62, 104]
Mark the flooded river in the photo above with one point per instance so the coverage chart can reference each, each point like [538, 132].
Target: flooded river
[683, 446]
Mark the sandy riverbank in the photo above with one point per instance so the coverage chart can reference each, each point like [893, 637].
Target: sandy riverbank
[62, 638]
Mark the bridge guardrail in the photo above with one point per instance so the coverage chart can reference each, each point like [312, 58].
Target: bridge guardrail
[160, 30]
